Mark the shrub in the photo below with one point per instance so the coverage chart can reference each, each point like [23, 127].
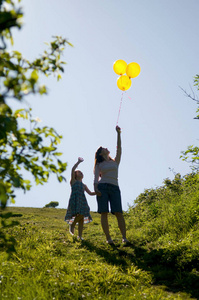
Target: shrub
[52, 204]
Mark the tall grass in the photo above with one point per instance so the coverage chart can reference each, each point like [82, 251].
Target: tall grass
[165, 222]
[172, 209]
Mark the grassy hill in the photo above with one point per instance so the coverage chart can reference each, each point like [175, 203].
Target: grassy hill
[161, 263]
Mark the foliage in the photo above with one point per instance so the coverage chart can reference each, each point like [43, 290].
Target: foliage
[23, 150]
[52, 204]
[191, 155]
[34, 150]
[173, 207]
[196, 81]
[50, 263]
[165, 221]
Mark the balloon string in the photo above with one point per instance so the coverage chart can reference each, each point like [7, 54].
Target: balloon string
[128, 97]
[119, 108]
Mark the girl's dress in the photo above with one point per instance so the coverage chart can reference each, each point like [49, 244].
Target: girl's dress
[77, 204]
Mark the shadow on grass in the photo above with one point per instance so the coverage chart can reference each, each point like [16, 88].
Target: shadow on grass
[16, 215]
[8, 215]
[162, 264]
[110, 255]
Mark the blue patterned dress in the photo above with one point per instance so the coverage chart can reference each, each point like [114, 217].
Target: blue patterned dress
[77, 204]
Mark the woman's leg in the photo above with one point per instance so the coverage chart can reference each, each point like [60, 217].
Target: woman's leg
[105, 226]
[121, 224]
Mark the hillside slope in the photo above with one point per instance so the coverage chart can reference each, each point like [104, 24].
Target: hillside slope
[161, 263]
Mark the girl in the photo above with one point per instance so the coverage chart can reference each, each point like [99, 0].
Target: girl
[78, 210]
[107, 189]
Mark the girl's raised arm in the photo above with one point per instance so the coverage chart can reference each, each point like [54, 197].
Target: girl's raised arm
[74, 168]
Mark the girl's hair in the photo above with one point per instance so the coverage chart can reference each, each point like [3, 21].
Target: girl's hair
[75, 175]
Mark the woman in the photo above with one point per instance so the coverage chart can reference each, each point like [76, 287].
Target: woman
[107, 188]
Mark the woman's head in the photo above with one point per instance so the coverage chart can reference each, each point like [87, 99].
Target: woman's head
[101, 155]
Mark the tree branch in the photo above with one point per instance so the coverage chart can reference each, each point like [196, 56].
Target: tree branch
[192, 97]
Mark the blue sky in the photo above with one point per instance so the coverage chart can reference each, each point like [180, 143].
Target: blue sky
[157, 122]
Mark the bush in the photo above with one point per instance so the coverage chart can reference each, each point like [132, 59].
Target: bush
[52, 204]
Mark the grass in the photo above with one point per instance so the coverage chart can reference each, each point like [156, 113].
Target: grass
[161, 263]
[51, 264]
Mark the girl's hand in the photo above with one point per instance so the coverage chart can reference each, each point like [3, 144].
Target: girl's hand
[98, 193]
[80, 159]
[118, 129]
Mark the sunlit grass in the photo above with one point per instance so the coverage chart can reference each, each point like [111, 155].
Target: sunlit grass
[51, 264]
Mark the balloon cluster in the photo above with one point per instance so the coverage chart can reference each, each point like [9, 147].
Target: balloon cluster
[132, 70]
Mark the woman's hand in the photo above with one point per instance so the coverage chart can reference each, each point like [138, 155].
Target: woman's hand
[118, 129]
[98, 193]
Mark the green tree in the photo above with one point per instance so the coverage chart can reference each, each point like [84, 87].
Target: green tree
[35, 149]
[52, 204]
[191, 155]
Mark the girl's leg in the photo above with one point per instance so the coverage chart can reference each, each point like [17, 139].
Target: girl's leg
[72, 226]
[71, 229]
[105, 226]
[121, 224]
[80, 225]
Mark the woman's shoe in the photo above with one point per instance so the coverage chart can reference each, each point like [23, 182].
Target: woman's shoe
[125, 241]
[110, 242]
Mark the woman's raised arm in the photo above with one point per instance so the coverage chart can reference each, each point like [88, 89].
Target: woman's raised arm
[119, 148]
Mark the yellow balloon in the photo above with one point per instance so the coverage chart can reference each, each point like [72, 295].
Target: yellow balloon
[133, 70]
[119, 67]
[124, 82]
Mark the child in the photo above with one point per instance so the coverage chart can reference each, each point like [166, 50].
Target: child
[78, 210]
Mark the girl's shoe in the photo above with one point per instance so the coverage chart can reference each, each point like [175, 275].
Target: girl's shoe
[80, 238]
[71, 230]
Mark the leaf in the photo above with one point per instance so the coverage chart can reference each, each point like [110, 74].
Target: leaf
[34, 75]
[42, 90]
[58, 153]
[37, 181]
[17, 112]
[60, 178]
[59, 77]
